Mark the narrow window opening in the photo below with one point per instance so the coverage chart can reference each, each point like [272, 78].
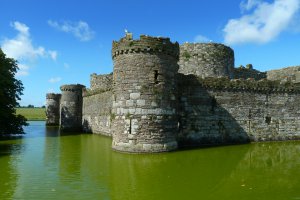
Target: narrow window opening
[268, 120]
[213, 104]
[130, 126]
[155, 76]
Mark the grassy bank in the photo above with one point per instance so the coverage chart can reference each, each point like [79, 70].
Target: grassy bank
[32, 114]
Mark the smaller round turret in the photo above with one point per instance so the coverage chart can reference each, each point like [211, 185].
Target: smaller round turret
[71, 107]
[206, 60]
[52, 109]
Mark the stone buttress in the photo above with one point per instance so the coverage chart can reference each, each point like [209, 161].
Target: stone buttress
[145, 100]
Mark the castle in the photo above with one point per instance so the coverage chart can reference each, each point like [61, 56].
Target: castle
[163, 96]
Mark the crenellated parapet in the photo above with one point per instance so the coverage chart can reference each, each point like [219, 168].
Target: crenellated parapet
[72, 87]
[101, 82]
[206, 60]
[145, 44]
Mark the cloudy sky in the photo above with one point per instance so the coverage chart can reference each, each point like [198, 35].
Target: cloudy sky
[62, 41]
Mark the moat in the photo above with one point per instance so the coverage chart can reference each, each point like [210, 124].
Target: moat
[45, 165]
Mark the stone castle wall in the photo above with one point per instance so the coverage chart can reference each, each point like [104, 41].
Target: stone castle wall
[206, 60]
[101, 83]
[96, 112]
[286, 74]
[147, 106]
[245, 73]
[218, 114]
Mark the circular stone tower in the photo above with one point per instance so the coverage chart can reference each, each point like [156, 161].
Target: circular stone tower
[71, 107]
[145, 107]
[52, 109]
[206, 60]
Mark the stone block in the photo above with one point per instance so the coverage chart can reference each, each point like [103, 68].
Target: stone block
[140, 102]
[135, 96]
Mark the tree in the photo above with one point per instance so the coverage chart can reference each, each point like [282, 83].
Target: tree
[10, 92]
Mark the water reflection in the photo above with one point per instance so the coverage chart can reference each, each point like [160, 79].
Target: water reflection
[48, 165]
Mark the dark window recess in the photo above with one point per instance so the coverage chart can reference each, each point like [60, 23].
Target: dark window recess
[268, 120]
[78, 98]
[213, 104]
[155, 76]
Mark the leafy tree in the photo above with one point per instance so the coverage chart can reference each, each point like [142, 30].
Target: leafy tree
[10, 92]
[30, 106]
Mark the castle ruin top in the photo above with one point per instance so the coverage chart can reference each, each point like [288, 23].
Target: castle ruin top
[145, 44]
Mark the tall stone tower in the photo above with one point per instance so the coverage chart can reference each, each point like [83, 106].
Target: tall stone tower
[71, 107]
[206, 60]
[145, 103]
[52, 109]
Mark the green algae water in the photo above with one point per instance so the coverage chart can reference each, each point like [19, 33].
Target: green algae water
[46, 165]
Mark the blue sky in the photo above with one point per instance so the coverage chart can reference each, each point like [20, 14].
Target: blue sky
[62, 41]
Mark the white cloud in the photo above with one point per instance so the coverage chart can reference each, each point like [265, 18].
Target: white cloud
[201, 38]
[23, 70]
[249, 4]
[80, 29]
[52, 54]
[54, 80]
[21, 47]
[264, 24]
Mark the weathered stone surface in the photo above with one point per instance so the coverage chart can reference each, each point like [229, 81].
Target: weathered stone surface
[102, 82]
[285, 74]
[71, 107]
[212, 116]
[144, 84]
[246, 73]
[52, 109]
[206, 60]
[96, 113]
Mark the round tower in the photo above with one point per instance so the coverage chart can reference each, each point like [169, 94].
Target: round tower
[71, 107]
[206, 60]
[52, 109]
[144, 107]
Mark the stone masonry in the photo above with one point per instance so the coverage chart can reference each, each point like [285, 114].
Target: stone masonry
[145, 94]
[71, 107]
[162, 96]
[52, 109]
[286, 74]
[206, 60]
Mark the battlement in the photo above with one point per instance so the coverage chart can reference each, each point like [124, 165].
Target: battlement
[248, 72]
[239, 85]
[285, 74]
[53, 96]
[72, 87]
[102, 82]
[145, 44]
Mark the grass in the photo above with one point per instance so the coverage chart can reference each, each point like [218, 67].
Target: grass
[32, 114]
